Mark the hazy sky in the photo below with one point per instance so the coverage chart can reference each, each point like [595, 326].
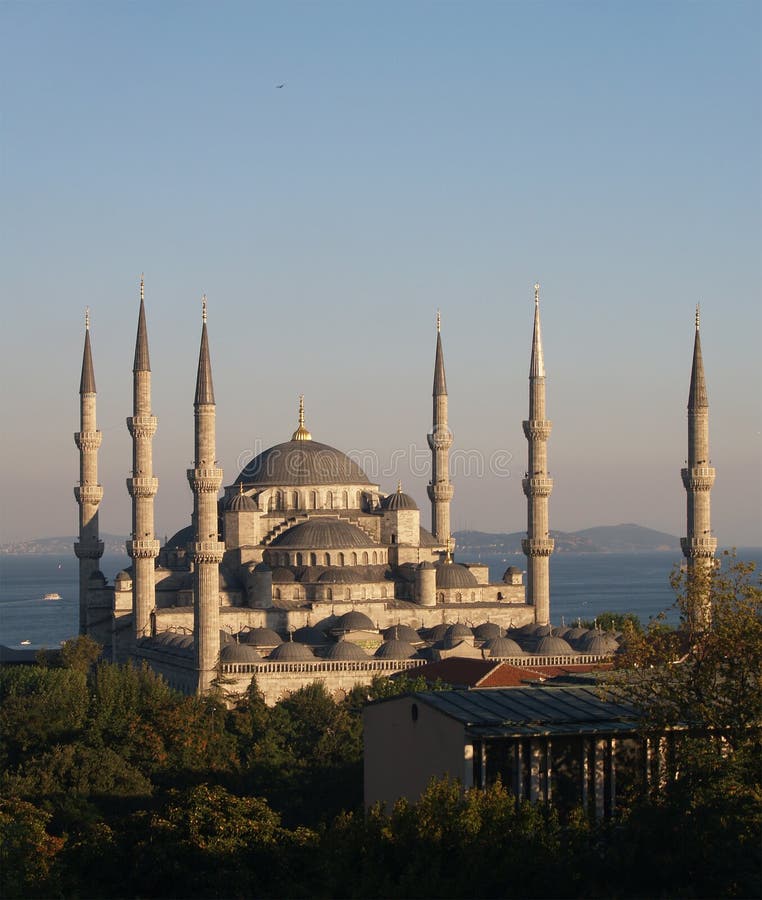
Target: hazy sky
[420, 155]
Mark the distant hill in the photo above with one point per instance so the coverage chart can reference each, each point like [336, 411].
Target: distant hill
[60, 546]
[601, 539]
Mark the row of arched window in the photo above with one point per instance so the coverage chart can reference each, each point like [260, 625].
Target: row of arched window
[338, 558]
[336, 593]
[314, 500]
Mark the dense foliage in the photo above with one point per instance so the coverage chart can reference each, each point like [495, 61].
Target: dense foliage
[114, 785]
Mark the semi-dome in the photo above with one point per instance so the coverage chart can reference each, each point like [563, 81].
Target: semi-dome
[345, 650]
[281, 575]
[502, 646]
[553, 646]
[401, 633]
[301, 462]
[291, 651]
[239, 653]
[395, 649]
[453, 575]
[353, 621]
[398, 500]
[323, 533]
[261, 637]
[487, 631]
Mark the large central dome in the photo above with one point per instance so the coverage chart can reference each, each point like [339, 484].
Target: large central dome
[301, 462]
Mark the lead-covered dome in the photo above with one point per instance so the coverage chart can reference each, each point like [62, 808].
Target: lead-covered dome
[345, 651]
[323, 533]
[301, 462]
[398, 500]
[291, 651]
[453, 575]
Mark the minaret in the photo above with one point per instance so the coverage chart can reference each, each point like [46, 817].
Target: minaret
[89, 547]
[698, 477]
[143, 548]
[205, 480]
[440, 440]
[538, 544]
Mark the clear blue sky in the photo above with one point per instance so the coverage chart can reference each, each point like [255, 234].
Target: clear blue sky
[420, 155]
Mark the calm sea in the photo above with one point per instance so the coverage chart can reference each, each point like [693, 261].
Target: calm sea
[582, 585]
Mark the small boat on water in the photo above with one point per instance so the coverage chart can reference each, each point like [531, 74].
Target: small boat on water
[52, 596]
[24, 643]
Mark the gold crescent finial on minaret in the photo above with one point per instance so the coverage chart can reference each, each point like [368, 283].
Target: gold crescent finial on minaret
[399, 486]
[87, 318]
[203, 309]
[439, 321]
[698, 316]
[301, 409]
[142, 288]
[537, 293]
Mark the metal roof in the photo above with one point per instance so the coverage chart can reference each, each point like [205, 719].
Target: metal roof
[559, 708]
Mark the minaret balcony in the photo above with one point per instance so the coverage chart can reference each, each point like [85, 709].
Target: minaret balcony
[538, 546]
[698, 548]
[440, 439]
[698, 478]
[88, 549]
[142, 486]
[205, 480]
[207, 551]
[142, 549]
[88, 440]
[88, 493]
[142, 426]
[441, 492]
[537, 486]
[537, 429]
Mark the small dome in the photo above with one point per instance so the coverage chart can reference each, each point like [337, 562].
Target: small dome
[553, 646]
[401, 633]
[576, 633]
[240, 503]
[398, 500]
[602, 642]
[353, 621]
[437, 633]
[510, 573]
[502, 646]
[313, 637]
[239, 653]
[395, 649]
[282, 575]
[291, 651]
[487, 631]
[453, 575]
[122, 577]
[345, 650]
[459, 630]
[260, 637]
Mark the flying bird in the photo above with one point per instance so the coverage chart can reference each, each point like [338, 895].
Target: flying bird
[280, 86]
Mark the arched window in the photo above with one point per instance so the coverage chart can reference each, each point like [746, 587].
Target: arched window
[271, 503]
[313, 500]
[328, 594]
[313, 559]
[328, 559]
[365, 557]
[276, 593]
[345, 499]
[328, 500]
[375, 557]
[278, 500]
[383, 593]
[298, 593]
[298, 559]
[458, 596]
[358, 500]
[354, 559]
[295, 500]
[347, 594]
[341, 559]
[440, 597]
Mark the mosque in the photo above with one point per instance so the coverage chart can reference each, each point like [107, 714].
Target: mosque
[304, 568]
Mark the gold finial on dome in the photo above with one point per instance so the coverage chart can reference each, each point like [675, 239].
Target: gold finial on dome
[301, 433]
[399, 486]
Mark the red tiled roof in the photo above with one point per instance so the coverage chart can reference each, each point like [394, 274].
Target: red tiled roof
[483, 673]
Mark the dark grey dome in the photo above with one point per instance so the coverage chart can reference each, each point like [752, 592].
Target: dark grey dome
[487, 631]
[401, 633]
[181, 538]
[282, 575]
[345, 650]
[239, 653]
[309, 635]
[302, 463]
[291, 651]
[459, 630]
[323, 533]
[398, 500]
[240, 503]
[602, 642]
[502, 646]
[453, 575]
[437, 633]
[576, 633]
[122, 576]
[260, 637]
[395, 649]
[353, 621]
[344, 575]
[553, 646]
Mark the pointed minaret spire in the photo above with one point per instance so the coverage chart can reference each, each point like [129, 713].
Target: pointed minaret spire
[205, 479]
[698, 477]
[537, 485]
[440, 490]
[204, 386]
[143, 548]
[88, 493]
